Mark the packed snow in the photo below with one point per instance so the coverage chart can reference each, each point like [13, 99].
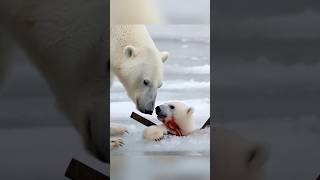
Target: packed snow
[187, 79]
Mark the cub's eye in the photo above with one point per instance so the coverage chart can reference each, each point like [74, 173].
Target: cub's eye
[171, 106]
[146, 82]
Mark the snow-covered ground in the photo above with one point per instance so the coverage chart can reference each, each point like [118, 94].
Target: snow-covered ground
[160, 167]
[187, 79]
[196, 144]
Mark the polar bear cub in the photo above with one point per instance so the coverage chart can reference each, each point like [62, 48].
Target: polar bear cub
[176, 118]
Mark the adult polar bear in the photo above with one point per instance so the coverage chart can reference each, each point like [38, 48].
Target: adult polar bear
[67, 41]
[69, 49]
[138, 64]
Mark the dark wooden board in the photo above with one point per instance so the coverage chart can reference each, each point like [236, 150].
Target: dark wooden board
[148, 123]
[206, 124]
[79, 171]
[141, 119]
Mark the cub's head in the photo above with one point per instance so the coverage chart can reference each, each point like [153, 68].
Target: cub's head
[176, 116]
[141, 73]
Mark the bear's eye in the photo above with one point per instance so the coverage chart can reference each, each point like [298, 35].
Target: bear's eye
[146, 82]
[171, 106]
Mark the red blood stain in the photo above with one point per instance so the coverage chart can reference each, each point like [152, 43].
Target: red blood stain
[171, 124]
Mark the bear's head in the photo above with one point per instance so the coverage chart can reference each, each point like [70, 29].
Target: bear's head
[141, 73]
[177, 117]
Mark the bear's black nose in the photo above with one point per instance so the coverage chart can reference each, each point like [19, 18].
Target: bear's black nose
[158, 110]
[148, 112]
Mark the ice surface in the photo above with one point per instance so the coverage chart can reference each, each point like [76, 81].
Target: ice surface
[197, 143]
[160, 167]
[186, 79]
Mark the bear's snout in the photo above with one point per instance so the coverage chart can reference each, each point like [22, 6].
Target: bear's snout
[160, 113]
[148, 112]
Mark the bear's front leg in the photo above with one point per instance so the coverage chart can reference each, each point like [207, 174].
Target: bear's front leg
[116, 142]
[117, 129]
[154, 132]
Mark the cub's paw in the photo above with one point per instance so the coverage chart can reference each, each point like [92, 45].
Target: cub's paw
[153, 133]
[116, 142]
[117, 129]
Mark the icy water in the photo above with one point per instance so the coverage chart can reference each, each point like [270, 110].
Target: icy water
[186, 78]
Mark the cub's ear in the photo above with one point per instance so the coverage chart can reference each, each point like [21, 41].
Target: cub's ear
[164, 55]
[129, 51]
[190, 111]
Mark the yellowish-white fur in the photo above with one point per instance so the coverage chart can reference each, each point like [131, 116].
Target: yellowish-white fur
[147, 61]
[183, 116]
[134, 12]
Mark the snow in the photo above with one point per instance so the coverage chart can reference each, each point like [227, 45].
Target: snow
[186, 79]
[197, 143]
[160, 167]
[38, 141]
[204, 69]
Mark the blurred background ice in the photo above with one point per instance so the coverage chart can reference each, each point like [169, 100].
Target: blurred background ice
[158, 168]
[160, 12]
[185, 11]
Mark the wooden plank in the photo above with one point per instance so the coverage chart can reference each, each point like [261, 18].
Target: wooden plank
[79, 171]
[206, 124]
[141, 119]
[148, 123]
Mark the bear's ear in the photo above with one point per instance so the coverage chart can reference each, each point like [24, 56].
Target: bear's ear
[164, 56]
[129, 51]
[190, 111]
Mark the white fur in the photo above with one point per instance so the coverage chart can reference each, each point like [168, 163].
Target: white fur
[234, 157]
[155, 132]
[66, 41]
[134, 57]
[183, 116]
[134, 12]
[146, 63]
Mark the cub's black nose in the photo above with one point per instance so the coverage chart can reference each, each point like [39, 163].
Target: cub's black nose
[158, 110]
